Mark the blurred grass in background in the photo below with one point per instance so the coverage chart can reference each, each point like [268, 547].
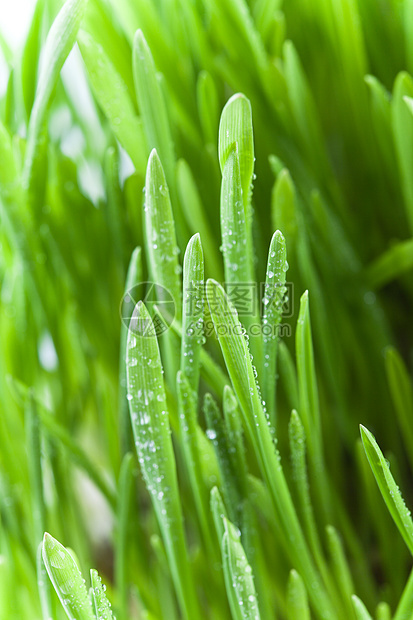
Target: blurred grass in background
[332, 110]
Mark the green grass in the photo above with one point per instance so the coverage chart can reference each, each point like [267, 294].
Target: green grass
[204, 459]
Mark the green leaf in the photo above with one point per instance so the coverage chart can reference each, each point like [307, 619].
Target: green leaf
[59, 42]
[388, 488]
[113, 97]
[239, 579]
[297, 603]
[283, 208]
[235, 127]
[273, 302]
[193, 311]
[150, 423]
[360, 609]
[405, 606]
[100, 602]
[152, 105]
[66, 579]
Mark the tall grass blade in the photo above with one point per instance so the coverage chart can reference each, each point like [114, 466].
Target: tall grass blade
[297, 602]
[388, 488]
[100, 602]
[67, 580]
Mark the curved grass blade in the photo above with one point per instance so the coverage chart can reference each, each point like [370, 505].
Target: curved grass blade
[239, 580]
[113, 97]
[273, 301]
[67, 580]
[152, 105]
[59, 42]
[388, 488]
[150, 423]
[238, 362]
[100, 602]
[392, 264]
[192, 311]
[297, 602]
[360, 609]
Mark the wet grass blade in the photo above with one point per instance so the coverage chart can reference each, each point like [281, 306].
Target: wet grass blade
[100, 602]
[192, 311]
[239, 579]
[150, 423]
[67, 580]
[388, 488]
[273, 301]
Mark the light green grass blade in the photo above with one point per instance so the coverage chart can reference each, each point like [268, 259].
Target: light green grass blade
[112, 95]
[162, 250]
[405, 606]
[236, 127]
[297, 602]
[273, 301]
[59, 42]
[383, 611]
[388, 488]
[239, 579]
[360, 609]
[100, 602]
[30, 56]
[207, 100]
[150, 423]
[152, 105]
[192, 311]
[67, 580]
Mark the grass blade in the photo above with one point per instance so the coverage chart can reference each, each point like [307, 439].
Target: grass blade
[239, 580]
[100, 602]
[150, 423]
[273, 301]
[388, 488]
[192, 311]
[152, 105]
[113, 97]
[360, 609]
[297, 602]
[66, 579]
[59, 42]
